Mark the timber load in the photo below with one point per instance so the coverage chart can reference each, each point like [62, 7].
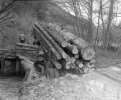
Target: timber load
[67, 50]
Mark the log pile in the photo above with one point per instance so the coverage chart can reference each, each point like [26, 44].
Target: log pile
[67, 50]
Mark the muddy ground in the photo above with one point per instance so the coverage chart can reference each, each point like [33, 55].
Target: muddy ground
[69, 87]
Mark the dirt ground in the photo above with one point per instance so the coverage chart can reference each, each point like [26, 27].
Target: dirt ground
[69, 87]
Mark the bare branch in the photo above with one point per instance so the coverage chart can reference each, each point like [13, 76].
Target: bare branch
[7, 19]
[6, 14]
[116, 26]
[7, 7]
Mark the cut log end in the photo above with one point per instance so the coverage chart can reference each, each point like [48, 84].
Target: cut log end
[64, 44]
[76, 56]
[79, 63]
[88, 54]
[75, 50]
[73, 65]
[68, 65]
[86, 70]
[72, 60]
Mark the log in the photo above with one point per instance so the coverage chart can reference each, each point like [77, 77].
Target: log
[79, 63]
[85, 69]
[73, 49]
[72, 59]
[56, 37]
[60, 50]
[57, 64]
[89, 65]
[76, 56]
[65, 63]
[81, 71]
[55, 52]
[88, 53]
[73, 65]
[44, 45]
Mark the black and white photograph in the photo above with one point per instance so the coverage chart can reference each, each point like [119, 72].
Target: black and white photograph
[60, 49]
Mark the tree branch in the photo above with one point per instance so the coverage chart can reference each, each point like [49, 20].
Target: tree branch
[6, 19]
[7, 7]
[6, 15]
[116, 26]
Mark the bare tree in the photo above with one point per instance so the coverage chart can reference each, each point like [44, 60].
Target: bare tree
[107, 34]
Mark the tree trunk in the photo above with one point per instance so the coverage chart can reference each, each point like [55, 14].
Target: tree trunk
[107, 35]
[90, 31]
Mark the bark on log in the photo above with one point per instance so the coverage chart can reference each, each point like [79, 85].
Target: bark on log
[55, 52]
[89, 65]
[72, 59]
[44, 44]
[57, 47]
[67, 35]
[79, 63]
[76, 56]
[56, 37]
[73, 65]
[73, 49]
[65, 63]
[85, 69]
[56, 72]
[87, 53]
[57, 64]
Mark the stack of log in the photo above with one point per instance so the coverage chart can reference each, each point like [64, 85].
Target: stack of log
[67, 50]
